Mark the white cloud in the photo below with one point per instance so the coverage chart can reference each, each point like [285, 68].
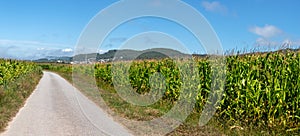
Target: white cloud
[286, 43]
[290, 43]
[32, 49]
[214, 6]
[265, 42]
[30, 43]
[101, 51]
[67, 50]
[270, 35]
[268, 31]
[39, 49]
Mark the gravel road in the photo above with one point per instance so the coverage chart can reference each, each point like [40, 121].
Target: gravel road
[53, 110]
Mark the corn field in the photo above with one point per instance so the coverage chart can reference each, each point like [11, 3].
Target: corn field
[260, 89]
[12, 69]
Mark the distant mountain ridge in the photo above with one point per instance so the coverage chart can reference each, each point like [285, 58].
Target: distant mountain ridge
[125, 54]
[128, 54]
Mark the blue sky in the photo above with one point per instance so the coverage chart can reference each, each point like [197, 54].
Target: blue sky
[34, 29]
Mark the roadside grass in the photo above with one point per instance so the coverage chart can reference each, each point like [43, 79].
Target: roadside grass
[14, 94]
